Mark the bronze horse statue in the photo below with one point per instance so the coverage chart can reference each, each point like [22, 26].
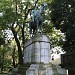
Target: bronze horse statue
[37, 19]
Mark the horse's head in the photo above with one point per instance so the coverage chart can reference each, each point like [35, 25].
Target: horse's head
[43, 8]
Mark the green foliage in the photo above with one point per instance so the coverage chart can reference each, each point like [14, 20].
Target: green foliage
[3, 56]
[2, 41]
[62, 16]
[15, 18]
[8, 15]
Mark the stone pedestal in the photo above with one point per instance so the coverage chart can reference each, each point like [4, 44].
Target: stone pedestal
[33, 70]
[37, 54]
[37, 49]
[39, 69]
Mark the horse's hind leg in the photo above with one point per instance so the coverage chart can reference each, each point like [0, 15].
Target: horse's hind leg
[30, 31]
[41, 28]
[37, 26]
[34, 31]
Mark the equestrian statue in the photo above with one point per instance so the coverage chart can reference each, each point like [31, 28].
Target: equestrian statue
[37, 19]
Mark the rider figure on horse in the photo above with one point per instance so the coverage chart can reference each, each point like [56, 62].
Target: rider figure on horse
[37, 18]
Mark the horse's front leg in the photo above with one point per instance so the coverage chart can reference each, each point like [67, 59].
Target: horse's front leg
[37, 26]
[41, 28]
[30, 31]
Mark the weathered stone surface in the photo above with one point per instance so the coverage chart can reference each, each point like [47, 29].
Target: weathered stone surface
[39, 69]
[37, 49]
[37, 54]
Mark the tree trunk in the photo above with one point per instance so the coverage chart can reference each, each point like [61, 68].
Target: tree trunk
[20, 55]
[2, 61]
[23, 37]
[13, 57]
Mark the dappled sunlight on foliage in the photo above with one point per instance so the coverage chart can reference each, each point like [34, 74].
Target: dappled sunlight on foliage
[14, 28]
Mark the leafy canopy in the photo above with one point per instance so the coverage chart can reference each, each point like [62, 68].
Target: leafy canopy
[63, 18]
